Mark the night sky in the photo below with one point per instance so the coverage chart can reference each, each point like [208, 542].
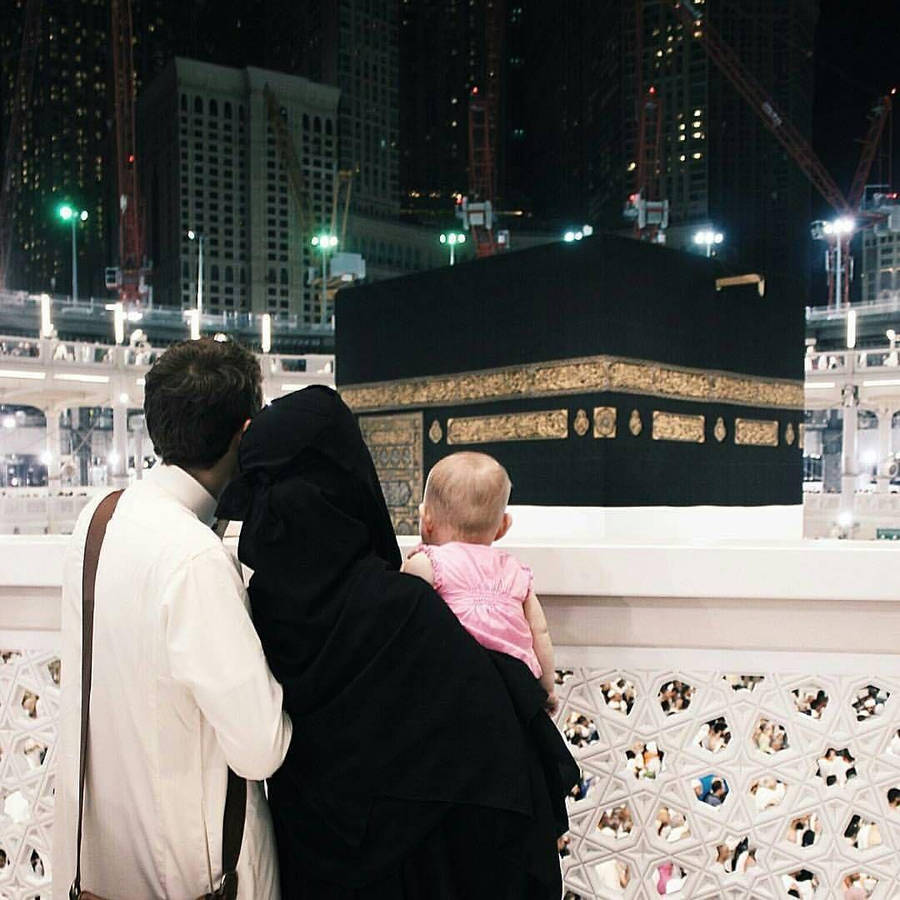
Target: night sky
[857, 59]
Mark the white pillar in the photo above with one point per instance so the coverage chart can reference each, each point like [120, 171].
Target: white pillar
[119, 467]
[52, 458]
[54, 448]
[885, 447]
[850, 448]
[139, 425]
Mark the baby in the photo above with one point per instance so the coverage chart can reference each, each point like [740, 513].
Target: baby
[489, 591]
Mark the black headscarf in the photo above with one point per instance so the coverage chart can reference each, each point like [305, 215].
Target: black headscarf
[398, 713]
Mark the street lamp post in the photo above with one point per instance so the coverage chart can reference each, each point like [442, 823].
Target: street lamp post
[576, 234]
[841, 230]
[709, 239]
[324, 242]
[73, 216]
[199, 238]
[452, 238]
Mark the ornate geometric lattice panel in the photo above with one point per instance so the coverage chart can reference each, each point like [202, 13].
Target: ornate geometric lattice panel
[29, 704]
[751, 785]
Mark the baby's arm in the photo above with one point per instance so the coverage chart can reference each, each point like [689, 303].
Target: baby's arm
[419, 564]
[543, 646]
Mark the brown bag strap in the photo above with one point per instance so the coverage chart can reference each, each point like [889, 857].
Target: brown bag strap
[236, 792]
[232, 833]
[94, 541]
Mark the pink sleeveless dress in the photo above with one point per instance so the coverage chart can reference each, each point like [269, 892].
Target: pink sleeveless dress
[486, 589]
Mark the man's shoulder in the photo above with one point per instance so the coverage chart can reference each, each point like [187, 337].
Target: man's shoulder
[181, 539]
[75, 546]
[164, 529]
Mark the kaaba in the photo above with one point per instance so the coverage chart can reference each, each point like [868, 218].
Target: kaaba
[606, 372]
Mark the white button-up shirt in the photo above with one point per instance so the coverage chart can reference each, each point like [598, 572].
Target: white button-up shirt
[181, 690]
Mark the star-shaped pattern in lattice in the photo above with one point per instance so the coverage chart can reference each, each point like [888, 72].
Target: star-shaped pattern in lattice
[29, 707]
[848, 834]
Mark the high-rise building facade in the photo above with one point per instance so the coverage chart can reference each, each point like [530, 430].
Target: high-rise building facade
[66, 142]
[880, 277]
[442, 57]
[352, 44]
[718, 165]
[212, 165]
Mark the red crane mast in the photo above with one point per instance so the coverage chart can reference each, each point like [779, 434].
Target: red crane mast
[477, 207]
[645, 206]
[131, 277]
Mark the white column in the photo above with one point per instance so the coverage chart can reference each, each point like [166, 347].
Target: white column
[850, 448]
[52, 458]
[119, 468]
[54, 448]
[139, 425]
[885, 448]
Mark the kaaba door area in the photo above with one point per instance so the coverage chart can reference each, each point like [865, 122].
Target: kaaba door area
[603, 373]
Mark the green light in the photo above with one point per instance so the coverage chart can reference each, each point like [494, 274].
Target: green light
[68, 213]
[325, 241]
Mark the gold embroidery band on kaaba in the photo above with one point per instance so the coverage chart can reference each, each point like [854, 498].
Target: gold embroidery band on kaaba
[395, 442]
[678, 427]
[577, 376]
[756, 432]
[544, 425]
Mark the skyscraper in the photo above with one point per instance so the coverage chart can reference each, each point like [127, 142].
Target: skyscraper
[718, 165]
[212, 165]
[66, 145]
[352, 44]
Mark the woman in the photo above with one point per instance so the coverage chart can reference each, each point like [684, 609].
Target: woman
[421, 765]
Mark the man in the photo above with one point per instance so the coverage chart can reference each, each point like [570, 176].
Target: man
[181, 690]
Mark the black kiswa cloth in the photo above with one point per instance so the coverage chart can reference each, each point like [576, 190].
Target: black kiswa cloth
[411, 743]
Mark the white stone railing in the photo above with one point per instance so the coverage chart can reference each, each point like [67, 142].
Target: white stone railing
[678, 660]
[40, 510]
[869, 512]
[54, 375]
[838, 361]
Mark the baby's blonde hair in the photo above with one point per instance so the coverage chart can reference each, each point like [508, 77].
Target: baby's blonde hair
[469, 491]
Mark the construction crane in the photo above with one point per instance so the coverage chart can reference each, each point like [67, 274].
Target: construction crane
[645, 207]
[343, 179]
[21, 100]
[476, 208]
[288, 154]
[352, 267]
[838, 235]
[131, 279]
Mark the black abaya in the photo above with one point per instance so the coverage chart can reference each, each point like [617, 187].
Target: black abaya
[421, 765]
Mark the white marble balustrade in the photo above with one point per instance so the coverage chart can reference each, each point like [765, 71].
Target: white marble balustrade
[765, 661]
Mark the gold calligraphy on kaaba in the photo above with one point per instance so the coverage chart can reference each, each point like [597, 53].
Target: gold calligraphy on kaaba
[543, 425]
[574, 376]
[720, 431]
[635, 425]
[604, 421]
[678, 427]
[581, 423]
[756, 432]
[395, 442]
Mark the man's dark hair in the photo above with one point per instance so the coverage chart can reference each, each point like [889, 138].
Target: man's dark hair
[196, 396]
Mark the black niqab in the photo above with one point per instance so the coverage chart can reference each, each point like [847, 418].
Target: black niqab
[403, 724]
